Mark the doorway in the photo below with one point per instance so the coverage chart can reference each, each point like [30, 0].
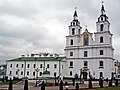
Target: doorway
[84, 75]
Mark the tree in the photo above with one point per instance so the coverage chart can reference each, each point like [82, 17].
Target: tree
[73, 80]
[116, 83]
[90, 82]
[26, 85]
[101, 82]
[110, 83]
[61, 85]
[77, 86]
[10, 85]
[43, 86]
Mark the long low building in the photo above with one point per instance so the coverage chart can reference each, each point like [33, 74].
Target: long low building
[35, 66]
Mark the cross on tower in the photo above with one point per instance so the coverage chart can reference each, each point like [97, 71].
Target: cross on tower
[75, 8]
[86, 26]
[102, 2]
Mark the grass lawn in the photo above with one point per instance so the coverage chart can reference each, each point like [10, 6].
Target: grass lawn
[106, 88]
[4, 83]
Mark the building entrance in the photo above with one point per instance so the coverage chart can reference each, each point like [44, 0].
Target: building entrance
[84, 75]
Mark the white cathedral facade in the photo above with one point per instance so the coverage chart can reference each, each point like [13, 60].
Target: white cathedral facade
[83, 53]
[84, 56]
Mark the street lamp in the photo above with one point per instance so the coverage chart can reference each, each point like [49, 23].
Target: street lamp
[66, 87]
[18, 72]
[55, 79]
[36, 70]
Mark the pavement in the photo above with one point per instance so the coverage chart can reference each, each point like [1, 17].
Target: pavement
[21, 87]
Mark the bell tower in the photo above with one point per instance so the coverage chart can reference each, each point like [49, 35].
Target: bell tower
[102, 23]
[103, 34]
[74, 31]
[75, 28]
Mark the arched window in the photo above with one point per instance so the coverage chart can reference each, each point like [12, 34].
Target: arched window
[71, 42]
[85, 63]
[101, 27]
[70, 73]
[101, 39]
[73, 31]
[101, 52]
[101, 18]
[101, 74]
[85, 53]
[100, 64]
[110, 40]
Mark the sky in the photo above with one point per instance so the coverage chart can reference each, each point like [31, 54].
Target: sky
[34, 26]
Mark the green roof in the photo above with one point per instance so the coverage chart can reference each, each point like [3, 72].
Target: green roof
[38, 59]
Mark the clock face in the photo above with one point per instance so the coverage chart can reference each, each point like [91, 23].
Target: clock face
[86, 38]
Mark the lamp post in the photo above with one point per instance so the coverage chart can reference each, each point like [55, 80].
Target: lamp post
[55, 79]
[36, 70]
[18, 73]
[80, 75]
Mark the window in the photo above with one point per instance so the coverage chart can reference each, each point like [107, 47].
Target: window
[71, 53]
[22, 66]
[70, 73]
[101, 18]
[101, 39]
[71, 64]
[85, 53]
[40, 65]
[100, 64]
[33, 73]
[10, 65]
[101, 27]
[34, 66]
[28, 66]
[110, 40]
[10, 72]
[85, 63]
[62, 66]
[71, 42]
[101, 52]
[101, 74]
[40, 73]
[16, 72]
[21, 72]
[16, 65]
[48, 65]
[73, 31]
[27, 73]
[79, 31]
[55, 66]
[55, 74]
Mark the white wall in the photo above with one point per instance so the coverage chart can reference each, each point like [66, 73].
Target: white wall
[31, 69]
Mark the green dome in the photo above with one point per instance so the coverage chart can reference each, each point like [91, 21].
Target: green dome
[46, 72]
[2, 71]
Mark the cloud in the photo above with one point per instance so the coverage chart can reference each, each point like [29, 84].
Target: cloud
[33, 26]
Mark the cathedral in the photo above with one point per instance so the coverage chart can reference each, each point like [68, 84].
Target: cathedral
[86, 56]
